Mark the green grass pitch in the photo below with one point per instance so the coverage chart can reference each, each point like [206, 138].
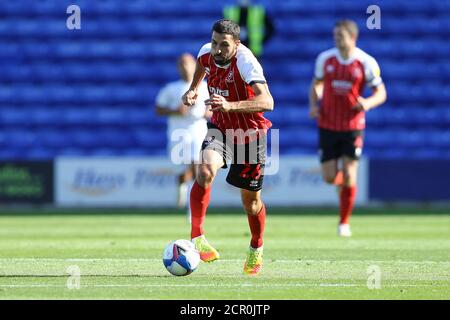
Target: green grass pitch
[119, 255]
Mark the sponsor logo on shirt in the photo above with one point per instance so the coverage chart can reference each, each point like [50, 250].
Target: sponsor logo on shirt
[341, 86]
[223, 93]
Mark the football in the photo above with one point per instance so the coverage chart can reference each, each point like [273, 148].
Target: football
[181, 258]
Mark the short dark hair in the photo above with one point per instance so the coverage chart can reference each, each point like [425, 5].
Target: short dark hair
[228, 27]
[349, 25]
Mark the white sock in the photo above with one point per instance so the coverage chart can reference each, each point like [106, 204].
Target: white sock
[182, 195]
[188, 202]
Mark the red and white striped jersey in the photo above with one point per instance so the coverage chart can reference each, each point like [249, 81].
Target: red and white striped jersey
[343, 83]
[234, 82]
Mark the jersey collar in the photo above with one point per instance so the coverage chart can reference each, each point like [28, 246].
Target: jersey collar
[349, 60]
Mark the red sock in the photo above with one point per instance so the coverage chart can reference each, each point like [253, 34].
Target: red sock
[257, 223]
[199, 203]
[347, 201]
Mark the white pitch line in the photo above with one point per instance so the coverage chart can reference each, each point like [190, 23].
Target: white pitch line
[209, 285]
[221, 260]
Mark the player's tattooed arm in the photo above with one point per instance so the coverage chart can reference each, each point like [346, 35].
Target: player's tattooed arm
[190, 96]
[377, 98]
[261, 102]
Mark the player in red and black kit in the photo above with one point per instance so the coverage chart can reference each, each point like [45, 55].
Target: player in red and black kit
[335, 100]
[237, 134]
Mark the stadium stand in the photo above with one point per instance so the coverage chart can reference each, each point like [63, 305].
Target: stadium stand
[92, 91]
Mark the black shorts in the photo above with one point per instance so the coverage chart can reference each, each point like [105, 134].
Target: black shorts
[247, 161]
[335, 144]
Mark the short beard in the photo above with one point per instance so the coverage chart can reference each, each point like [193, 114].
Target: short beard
[222, 63]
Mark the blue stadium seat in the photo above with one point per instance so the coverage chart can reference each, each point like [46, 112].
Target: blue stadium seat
[386, 153]
[288, 116]
[309, 26]
[52, 139]
[80, 117]
[25, 94]
[378, 139]
[11, 154]
[44, 117]
[20, 138]
[114, 138]
[278, 49]
[84, 139]
[409, 138]
[140, 152]
[439, 138]
[298, 137]
[145, 117]
[40, 154]
[104, 152]
[148, 138]
[109, 116]
[426, 153]
[14, 117]
[70, 151]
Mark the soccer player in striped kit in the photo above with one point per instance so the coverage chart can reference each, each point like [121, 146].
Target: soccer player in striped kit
[236, 133]
[336, 101]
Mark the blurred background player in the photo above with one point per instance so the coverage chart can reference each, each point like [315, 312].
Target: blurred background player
[192, 120]
[238, 128]
[256, 25]
[335, 101]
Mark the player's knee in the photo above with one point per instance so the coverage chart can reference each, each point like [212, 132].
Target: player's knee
[252, 207]
[205, 175]
[329, 178]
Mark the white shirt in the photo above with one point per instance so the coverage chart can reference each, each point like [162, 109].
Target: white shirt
[170, 97]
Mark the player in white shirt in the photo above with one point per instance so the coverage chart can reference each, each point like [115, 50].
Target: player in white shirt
[186, 127]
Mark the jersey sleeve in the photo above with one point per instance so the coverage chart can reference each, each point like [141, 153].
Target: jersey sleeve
[372, 73]
[249, 68]
[319, 66]
[206, 48]
[203, 50]
[163, 98]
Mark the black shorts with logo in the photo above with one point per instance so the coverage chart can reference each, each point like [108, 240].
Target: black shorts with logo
[335, 144]
[247, 161]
